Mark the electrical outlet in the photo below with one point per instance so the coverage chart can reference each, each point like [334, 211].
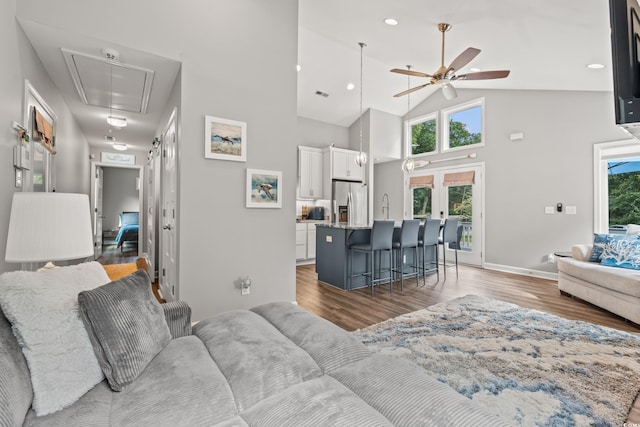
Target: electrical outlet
[551, 258]
[246, 291]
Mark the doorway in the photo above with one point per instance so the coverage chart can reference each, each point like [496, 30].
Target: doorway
[116, 204]
[451, 192]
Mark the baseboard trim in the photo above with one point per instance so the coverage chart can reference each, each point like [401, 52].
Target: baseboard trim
[521, 271]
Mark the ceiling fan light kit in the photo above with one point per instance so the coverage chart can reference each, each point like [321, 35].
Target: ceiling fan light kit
[443, 76]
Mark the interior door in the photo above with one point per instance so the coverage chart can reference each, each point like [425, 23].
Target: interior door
[453, 196]
[97, 211]
[153, 208]
[168, 234]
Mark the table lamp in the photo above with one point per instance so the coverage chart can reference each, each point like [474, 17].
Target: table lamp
[49, 227]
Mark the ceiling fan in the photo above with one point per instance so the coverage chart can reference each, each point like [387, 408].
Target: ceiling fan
[443, 76]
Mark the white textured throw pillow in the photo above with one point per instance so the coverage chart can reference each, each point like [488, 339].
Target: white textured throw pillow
[633, 229]
[43, 310]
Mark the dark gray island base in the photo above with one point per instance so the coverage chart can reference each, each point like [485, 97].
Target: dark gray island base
[332, 254]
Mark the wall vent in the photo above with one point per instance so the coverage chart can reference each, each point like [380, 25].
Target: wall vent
[321, 93]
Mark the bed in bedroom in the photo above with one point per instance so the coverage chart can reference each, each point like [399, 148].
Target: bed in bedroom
[128, 232]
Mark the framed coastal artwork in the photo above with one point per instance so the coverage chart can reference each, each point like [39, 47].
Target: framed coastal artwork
[225, 139]
[264, 188]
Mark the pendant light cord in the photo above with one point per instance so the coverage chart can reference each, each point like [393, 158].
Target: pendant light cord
[362, 45]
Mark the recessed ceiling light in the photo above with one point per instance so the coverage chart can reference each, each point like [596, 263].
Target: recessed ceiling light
[595, 66]
[350, 86]
[298, 67]
[391, 21]
[120, 146]
[474, 69]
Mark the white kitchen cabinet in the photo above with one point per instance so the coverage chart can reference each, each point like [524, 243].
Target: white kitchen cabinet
[305, 241]
[343, 164]
[311, 241]
[310, 173]
[301, 241]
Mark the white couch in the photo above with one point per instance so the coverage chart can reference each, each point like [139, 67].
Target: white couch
[614, 289]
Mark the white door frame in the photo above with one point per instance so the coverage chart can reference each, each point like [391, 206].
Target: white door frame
[168, 220]
[478, 259]
[141, 219]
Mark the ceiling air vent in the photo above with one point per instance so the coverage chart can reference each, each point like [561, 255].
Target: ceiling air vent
[107, 83]
[321, 93]
[110, 138]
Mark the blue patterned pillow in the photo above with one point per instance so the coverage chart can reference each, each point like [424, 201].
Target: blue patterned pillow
[599, 241]
[624, 253]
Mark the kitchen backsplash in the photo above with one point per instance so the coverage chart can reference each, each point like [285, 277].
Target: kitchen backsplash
[303, 207]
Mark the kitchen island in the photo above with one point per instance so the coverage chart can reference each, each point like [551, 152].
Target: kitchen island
[332, 254]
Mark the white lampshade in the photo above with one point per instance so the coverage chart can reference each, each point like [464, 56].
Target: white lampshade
[49, 227]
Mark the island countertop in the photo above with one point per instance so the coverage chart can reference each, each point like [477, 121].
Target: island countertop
[347, 226]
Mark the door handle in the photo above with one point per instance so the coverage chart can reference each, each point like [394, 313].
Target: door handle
[166, 227]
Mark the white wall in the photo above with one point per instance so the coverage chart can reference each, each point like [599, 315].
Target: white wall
[314, 133]
[238, 62]
[71, 164]
[552, 164]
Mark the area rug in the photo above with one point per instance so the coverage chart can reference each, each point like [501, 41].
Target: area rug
[528, 367]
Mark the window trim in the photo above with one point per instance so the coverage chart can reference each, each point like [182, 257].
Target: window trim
[446, 113]
[407, 134]
[602, 153]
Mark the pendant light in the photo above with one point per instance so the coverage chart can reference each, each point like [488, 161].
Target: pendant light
[408, 165]
[361, 157]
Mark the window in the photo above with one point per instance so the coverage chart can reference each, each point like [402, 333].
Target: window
[463, 125]
[421, 133]
[623, 193]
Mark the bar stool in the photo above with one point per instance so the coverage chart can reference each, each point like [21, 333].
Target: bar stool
[449, 237]
[428, 238]
[380, 240]
[406, 239]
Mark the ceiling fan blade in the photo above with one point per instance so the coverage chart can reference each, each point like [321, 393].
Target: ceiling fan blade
[483, 75]
[463, 59]
[410, 73]
[449, 92]
[408, 91]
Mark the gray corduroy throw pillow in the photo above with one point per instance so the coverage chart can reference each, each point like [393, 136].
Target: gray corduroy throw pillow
[126, 326]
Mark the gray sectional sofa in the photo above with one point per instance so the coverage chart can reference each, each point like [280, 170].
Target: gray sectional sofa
[274, 365]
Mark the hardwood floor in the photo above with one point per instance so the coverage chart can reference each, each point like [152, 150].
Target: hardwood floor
[357, 309]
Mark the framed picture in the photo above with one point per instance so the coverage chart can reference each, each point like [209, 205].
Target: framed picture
[264, 189]
[118, 158]
[225, 139]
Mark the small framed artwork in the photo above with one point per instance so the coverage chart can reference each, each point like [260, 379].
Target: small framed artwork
[264, 189]
[225, 139]
[118, 158]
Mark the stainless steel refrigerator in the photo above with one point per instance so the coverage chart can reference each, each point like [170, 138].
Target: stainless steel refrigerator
[349, 203]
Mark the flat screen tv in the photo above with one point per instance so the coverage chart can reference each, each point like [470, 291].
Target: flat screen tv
[625, 51]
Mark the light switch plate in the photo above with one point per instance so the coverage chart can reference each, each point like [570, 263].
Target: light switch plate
[549, 210]
[571, 210]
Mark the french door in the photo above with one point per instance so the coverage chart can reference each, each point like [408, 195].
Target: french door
[451, 192]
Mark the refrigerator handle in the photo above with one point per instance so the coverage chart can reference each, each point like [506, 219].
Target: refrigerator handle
[350, 217]
[334, 211]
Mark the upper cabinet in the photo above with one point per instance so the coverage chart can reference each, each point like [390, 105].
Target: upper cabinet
[310, 174]
[342, 164]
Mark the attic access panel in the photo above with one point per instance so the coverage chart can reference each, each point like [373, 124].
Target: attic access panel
[96, 78]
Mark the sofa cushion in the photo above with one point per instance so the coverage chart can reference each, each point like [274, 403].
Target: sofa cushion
[126, 326]
[325, 342]
[43, 310]
[621, 253]
[15, 385]
[256, 359]
[617, 279]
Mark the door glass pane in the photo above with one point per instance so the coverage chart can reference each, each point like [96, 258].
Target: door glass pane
[460, 206]
[38, 168]
[421, 203]
[624, 194]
